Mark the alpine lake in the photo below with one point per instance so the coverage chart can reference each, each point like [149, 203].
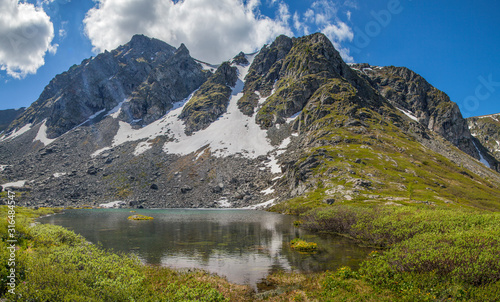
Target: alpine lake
[242, 245]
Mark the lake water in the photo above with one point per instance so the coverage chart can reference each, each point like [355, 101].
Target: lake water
[242, 245]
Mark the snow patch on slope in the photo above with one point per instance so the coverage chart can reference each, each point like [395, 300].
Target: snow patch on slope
[17, 132]
[42, 135]
[15, 184]
[210, 67]
[232, 133]
[482, 159]
[113, 204]
[408, 114]
[115, 112]
[492, 116]
[261, 206]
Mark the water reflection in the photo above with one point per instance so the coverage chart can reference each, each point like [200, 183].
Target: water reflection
[242, 245]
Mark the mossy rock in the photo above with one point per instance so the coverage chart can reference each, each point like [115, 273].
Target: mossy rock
[139, 217]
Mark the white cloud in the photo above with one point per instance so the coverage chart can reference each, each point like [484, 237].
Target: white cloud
[338, 33]
[323, 15]
[26, 34]
[213, 31]
[62, 30]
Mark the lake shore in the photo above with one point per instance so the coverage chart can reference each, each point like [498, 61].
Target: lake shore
[58, 258]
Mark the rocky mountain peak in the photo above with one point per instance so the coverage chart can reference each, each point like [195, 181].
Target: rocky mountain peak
[182, 50]
[240, 59]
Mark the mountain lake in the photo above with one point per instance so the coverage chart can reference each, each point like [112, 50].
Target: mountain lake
[242, 245]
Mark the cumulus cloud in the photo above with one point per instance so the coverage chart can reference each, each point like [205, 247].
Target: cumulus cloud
[26, 34]
[323, 15]
[213, 31]
[338, 33]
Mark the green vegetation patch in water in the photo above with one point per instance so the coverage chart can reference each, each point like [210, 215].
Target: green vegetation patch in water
[140, 217]
[303, 246]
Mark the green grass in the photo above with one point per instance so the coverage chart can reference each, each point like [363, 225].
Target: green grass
[422, 253]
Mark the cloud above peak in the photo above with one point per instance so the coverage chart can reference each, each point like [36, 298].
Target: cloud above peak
[213, 31]
[26, 34]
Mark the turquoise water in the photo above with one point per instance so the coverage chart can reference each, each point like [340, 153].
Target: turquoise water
[242, 245]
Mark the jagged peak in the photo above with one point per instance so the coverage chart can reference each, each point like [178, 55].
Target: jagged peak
[240, 59]
[142, 43]
[182, 50]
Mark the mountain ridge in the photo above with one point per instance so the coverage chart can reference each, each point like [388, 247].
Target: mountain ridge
[291, 121]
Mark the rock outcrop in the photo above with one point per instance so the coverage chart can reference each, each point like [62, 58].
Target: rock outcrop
[211, 100]
[412, 94]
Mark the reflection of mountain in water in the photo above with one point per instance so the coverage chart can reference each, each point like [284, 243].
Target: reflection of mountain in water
[245, 246]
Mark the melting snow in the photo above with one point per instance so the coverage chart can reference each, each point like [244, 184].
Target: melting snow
[273, 162]
[206, 66]
[42, 135]
[112, 204]
[232, 133]
[16, 184]
[492, 116]
[17, 132]
[268, 191]
[261, 205]
[59, 174]
[142, 147]
[96, 153]
[116, 110]
[408, 114]
[93, 116]
[482, 159]
[223, 203]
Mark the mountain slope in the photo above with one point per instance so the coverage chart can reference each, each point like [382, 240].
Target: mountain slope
[8, 116]
[291, 121]
[96, 84]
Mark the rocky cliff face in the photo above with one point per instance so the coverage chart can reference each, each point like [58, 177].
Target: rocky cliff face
[413, 95]
[148, 125]
[486, 129]
[99, 83]
[168, 83]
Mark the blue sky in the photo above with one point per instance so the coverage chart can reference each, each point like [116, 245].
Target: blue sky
[453, 44]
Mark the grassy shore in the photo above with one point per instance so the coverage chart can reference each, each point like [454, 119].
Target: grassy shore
[421, 253]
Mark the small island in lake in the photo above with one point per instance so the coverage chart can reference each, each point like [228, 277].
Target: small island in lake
[139, 217]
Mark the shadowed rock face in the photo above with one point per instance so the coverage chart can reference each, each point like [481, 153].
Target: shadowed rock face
[8, 116]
